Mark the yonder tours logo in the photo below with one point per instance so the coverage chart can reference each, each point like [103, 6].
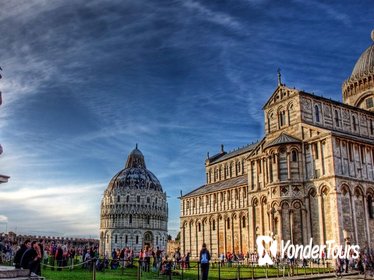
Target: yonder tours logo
[310, 251]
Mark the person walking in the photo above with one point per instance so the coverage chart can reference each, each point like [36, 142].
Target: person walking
[204, 262]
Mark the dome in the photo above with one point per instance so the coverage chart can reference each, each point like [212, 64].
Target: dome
[135, 175]
[358, 89]
[366, 61]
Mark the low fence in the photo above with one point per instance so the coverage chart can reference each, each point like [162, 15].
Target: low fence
[168, 270]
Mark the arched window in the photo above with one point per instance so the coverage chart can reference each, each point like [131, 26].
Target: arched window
[354, 123]
[369, 103]
[148, 220]
[294, 156]
[243, 222]
[282, 118]
[228, 223]
[199, 227]
[138, 198]
[317, 113]
[130, 219]
[370, 207]
[214, 225]
[115, 238]
[127, 198]
[118, 199]
[337, 121]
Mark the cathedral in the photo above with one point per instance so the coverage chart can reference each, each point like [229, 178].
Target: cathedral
[310, 176]
[134, 210]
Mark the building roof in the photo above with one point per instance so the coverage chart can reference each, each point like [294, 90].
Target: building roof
[221, 185]
[283, 138]
[223, 156]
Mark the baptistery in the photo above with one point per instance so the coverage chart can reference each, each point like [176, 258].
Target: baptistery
[134, 210]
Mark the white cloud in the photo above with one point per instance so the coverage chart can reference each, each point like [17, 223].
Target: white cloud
[207, 14]
[3, 219]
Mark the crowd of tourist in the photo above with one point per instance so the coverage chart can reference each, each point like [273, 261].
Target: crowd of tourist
[32, 254]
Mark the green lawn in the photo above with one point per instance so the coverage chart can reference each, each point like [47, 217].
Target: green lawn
[245, 272]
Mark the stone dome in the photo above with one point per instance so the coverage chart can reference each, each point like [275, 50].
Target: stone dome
[135, 175]
[358, 89]
[365, 63]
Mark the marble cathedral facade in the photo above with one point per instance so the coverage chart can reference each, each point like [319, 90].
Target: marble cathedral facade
[311, 176]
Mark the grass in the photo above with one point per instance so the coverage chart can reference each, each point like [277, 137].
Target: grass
[191, 274]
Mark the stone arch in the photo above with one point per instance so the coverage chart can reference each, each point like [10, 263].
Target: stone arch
[370, 206]
[358, 191]
[284, 204]
[314, 214]
[323, 189]
[370, 190]
[344, 187]
[326, 215]
[270, 117]
[274, 205]
[359, 204]
[347, 210]
[285, 219]
[254, 201]
[317, 113]
[210, 175]
[230, 167]
[297, 204]
[297, 221]
[281, 113]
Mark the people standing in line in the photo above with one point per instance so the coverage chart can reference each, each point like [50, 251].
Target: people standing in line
[158, 257]
[59, 256]
[17, 258]
[52, 255]
[204, 262]
[30, 258]
[187, 260]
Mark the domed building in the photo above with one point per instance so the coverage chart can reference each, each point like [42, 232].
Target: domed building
[134, 210]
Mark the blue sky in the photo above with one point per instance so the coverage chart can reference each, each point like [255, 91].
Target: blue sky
[83, 81]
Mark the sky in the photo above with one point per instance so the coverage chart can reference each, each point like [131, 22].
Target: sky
[84, 81]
